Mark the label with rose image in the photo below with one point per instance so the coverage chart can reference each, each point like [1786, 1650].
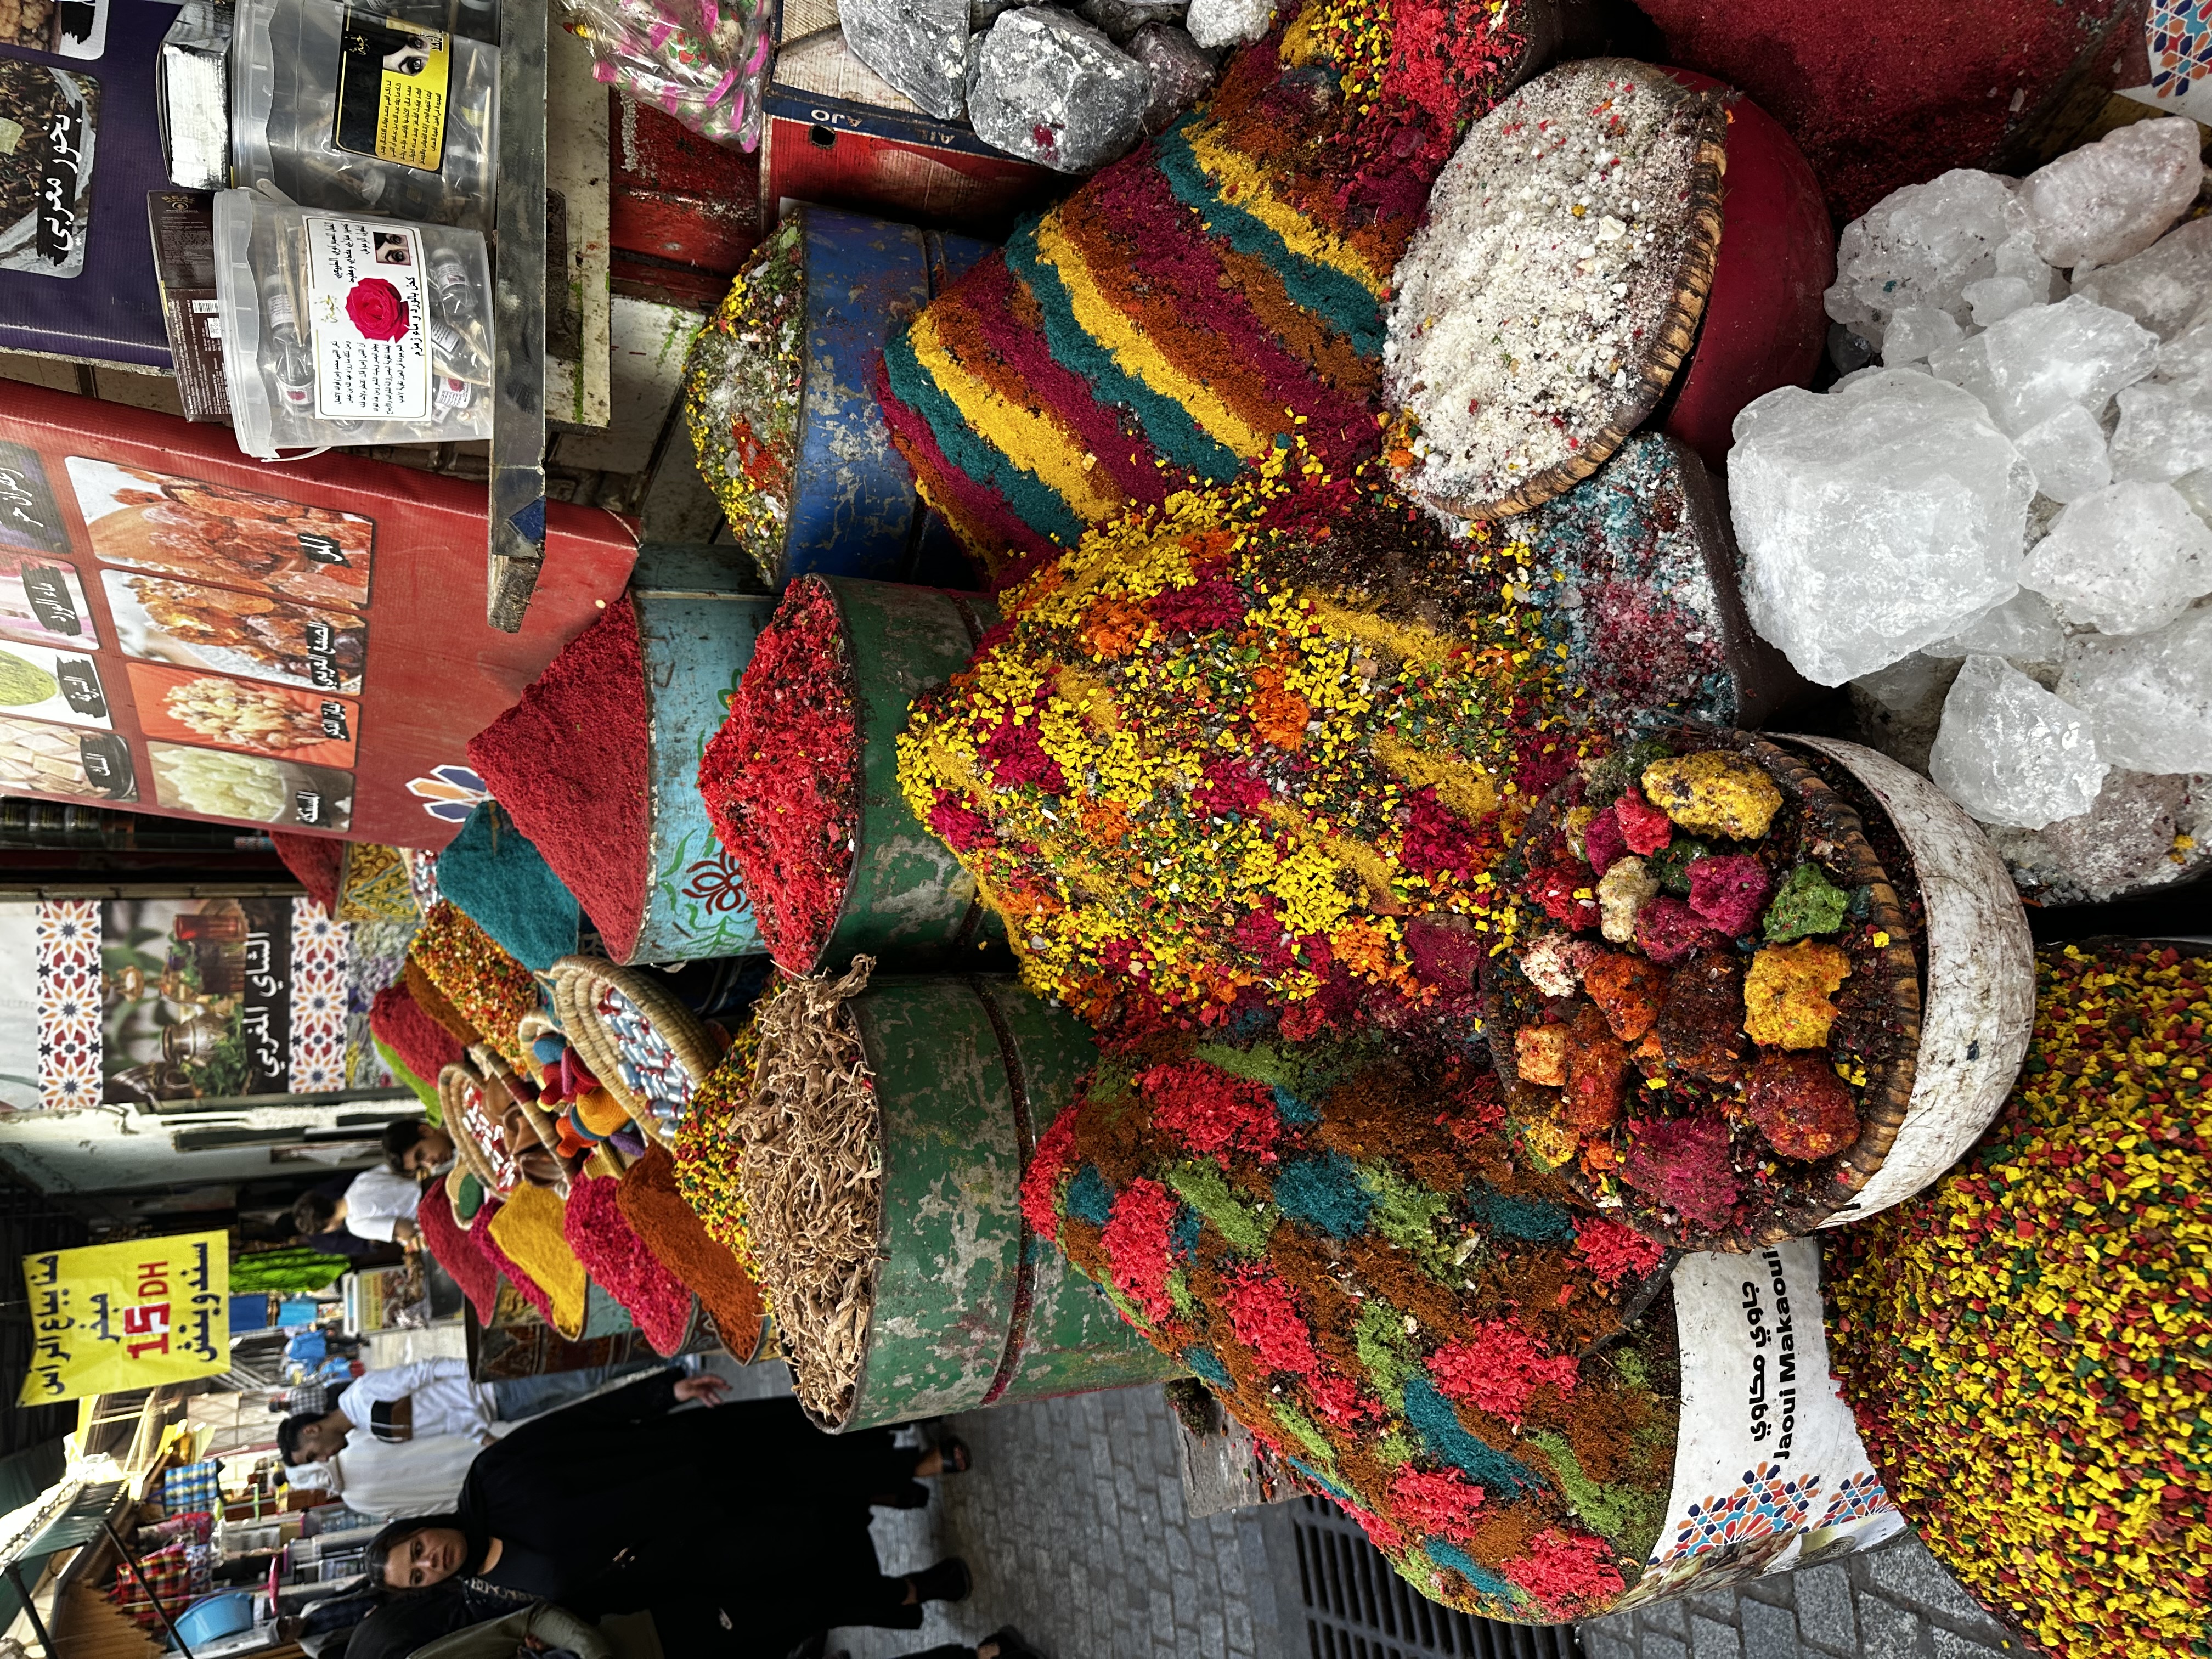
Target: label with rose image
[366, 304]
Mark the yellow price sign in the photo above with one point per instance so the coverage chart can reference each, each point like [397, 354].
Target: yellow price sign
[114, 1317]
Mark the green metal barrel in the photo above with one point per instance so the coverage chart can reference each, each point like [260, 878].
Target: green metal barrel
[908, 903]
[971, 1308]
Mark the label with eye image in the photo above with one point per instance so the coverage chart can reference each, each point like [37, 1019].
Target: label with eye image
[393, 80]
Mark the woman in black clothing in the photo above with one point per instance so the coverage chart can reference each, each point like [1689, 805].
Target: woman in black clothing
[741, 1530]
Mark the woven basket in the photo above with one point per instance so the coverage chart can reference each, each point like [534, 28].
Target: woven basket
[1511, 1001]
[580, 984]
[456, 1084]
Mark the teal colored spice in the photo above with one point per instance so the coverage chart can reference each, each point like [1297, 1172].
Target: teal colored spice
[493, 875]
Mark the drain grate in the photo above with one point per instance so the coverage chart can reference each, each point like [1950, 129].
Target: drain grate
[1357, 1609]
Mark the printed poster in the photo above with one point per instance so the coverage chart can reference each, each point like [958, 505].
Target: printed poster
[300, 648]
[133, 1002]
[115, 1316]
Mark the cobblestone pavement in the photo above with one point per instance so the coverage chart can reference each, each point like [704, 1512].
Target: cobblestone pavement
[1896, 1603]
[1072, 1521]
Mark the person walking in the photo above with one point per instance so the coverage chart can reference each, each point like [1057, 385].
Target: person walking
[741, 1530]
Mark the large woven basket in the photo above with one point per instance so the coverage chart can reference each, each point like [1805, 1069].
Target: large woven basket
[582, 989]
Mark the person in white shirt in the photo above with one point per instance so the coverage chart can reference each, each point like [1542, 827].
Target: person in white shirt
[380, 1204]
[434, 1397]
[422, 1476]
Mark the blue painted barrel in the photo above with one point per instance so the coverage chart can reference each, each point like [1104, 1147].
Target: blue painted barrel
[696, 627]
[854, 509]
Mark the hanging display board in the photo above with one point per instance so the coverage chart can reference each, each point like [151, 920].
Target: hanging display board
[188, 632]
[116, 1316]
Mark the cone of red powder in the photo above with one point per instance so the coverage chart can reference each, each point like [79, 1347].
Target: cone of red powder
[802, 779]
[460, 1250]
[400, 1023]
[596, 763]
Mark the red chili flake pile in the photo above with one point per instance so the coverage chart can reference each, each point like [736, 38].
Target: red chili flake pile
[782, 778]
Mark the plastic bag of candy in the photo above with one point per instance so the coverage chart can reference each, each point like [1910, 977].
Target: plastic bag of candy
[704, 61]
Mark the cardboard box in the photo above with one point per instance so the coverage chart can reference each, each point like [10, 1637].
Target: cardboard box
[839, 134]
[298, 647]
[182, 225]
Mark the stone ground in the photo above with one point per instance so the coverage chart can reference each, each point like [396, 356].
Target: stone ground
[1074, 1524]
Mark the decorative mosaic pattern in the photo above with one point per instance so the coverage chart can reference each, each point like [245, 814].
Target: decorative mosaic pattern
[321, 948]
[377, 886]
[1858, 1496]
[449, 794]
[1768, 1504]
[69, 994]
[2180, 40]
[650, 1068]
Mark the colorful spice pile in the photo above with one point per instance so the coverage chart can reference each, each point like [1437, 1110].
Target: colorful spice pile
[1220, 288]
[318, 861]
[491, 872]
[1709, 988]
[458, 1249]
[728, 1292]
[1556, 286]
[432, 1002]
[528, 1232]
[619, 1263]
[707, 1155]
[2025, 1344]
[485, 986]
[741, 386]
[782, 776]
[425, 1047]
[567, 762]
[1258, 751]
[1337, 1240]
[811, 1172]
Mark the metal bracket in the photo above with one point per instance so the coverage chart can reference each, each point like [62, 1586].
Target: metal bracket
[517, 533]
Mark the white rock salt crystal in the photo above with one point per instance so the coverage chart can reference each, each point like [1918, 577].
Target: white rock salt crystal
[2165, 430]
[2149, 697]
[2035, 362]
[2163, 286]
[2011, 753]
[1875, 521]
[1921, 245]
[2125, 560]
[2188, 352]
[2100, 203]
[2067, 452]
[1229, 23]
[2023, 630]
[1995, 298]
[2196, 489]
[1916, 331]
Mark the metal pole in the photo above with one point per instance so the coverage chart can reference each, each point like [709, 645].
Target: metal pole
[37, 1625]
[132, 1561]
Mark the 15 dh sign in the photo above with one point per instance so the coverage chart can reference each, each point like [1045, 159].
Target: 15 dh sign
[128, 1315]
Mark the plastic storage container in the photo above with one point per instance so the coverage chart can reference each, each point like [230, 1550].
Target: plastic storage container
[339, 330]
[341, 107]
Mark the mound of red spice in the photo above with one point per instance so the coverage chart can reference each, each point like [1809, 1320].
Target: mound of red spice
[318, 860]
[655, 1209]
[461, 1251]
[569, 763]
[1889, 93]
[781, 779]
[621, 1265]
[400, 1023]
